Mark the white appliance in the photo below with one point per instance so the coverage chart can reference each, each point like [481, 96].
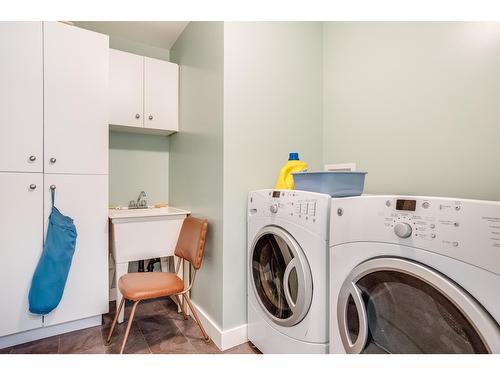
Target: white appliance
[414, 275]
[288, 271]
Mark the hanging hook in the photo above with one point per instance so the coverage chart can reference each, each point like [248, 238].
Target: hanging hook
[52, 187]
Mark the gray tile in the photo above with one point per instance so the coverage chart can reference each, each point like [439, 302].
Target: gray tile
[136, 344]
[49, 345]
[245, 348]
[175, 343]
[85, 341]
[192, 332]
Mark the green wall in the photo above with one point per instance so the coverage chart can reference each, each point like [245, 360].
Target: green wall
[138, 162]
[415, 104]
[196, 151]
[272, 106]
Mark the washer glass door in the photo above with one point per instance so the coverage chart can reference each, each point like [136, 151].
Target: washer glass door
[281, 276]
[391, 305]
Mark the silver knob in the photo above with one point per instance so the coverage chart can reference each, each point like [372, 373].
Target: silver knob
[52, 160]
[32, 187]
[273, 208]
[32, 158]
[150, 117]
[137, 115]
[52, 187]
[402, 230]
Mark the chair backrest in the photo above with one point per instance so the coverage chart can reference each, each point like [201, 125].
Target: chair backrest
[191, 242]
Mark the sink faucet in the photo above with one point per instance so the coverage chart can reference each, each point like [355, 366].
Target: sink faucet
[140, 203]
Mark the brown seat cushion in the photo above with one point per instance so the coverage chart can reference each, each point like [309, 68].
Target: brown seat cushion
[146, 285]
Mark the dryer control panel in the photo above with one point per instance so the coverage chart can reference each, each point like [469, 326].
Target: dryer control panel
[468, 230]
[306, 209]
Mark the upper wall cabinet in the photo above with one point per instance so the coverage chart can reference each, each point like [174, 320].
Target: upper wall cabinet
[144, 94]
[21, 97]
[161, 95]
[76, 74]
[126, 89]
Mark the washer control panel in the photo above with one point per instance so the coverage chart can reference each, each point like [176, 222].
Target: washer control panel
[301, 207]
[468, 230]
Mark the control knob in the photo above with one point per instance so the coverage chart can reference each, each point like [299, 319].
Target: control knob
[273, 208]
[402, 230]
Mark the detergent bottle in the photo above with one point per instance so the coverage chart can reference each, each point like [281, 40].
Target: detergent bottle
[285, 178]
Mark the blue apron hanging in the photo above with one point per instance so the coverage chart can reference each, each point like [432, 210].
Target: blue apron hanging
[49, 279]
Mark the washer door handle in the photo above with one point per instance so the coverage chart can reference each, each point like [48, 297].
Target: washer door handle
[286, 286]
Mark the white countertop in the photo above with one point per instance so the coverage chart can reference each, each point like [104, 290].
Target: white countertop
[124, 213]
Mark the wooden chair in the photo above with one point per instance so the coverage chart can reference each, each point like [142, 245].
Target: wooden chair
[141, 286]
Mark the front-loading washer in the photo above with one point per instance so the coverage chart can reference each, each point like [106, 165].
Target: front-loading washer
[414, 275]
[288, 271]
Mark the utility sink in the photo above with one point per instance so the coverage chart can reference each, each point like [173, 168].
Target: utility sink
[145, 233]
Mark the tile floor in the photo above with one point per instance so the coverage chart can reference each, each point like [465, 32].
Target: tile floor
[157, 328]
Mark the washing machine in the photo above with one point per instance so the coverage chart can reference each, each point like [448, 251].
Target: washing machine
[288, 271]
[414, 275]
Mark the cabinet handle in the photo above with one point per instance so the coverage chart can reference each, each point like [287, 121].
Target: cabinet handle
[53, 160]
[32, 158]
[52, 187]
[150, 117]
[32, 187]
[137, 115]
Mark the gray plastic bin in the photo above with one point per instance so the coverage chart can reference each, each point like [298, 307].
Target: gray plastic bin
[336, 184]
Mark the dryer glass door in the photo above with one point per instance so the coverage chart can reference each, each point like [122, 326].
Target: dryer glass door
[281, 276]
[391, 305]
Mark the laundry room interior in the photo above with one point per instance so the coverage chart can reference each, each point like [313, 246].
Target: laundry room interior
[249, 187]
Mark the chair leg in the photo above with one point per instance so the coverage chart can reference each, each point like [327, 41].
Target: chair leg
[130, 321]
[118, 310]
[205, 336]
[178, 300]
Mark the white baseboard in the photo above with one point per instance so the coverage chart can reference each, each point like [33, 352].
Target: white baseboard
[223, 339]
[41, 333]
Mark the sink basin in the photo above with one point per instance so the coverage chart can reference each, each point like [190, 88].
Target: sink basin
[125, 213]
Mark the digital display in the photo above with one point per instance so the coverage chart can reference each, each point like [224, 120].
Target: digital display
[406, 204]
[276, 194]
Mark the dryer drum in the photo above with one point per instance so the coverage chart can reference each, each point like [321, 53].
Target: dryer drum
[399, 306]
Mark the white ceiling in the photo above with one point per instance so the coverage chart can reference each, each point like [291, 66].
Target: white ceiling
[161, 34]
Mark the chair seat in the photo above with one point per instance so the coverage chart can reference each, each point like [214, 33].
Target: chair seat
[146, 285]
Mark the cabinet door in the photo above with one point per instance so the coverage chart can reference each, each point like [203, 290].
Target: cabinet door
[76, 66]
[21, 242]
[21, 97]
[85, 199]
[161, 94]
[126, 85]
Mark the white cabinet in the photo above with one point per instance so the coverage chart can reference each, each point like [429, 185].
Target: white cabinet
[76, 69]
[21, 243]
[144, 95]
[126, 87]
[21, 97]
[53, 97]
[84, 198]
[161, 94]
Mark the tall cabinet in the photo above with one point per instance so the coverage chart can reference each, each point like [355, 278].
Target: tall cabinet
[53, 135]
